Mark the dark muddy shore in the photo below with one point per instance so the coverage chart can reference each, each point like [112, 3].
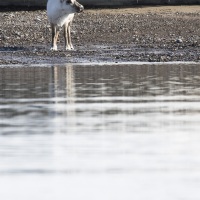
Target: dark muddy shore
[153, 34]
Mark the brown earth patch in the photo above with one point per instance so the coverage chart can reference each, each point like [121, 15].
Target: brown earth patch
[159, 33]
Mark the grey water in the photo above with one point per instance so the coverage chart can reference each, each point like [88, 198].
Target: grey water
[111, 132]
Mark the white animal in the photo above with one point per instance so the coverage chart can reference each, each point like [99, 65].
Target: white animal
[61, 13]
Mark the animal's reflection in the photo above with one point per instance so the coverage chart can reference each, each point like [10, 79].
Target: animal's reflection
[64, 95]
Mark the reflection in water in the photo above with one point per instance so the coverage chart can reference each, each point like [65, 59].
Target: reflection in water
[64, 88]
[90, 99]
[114, 130]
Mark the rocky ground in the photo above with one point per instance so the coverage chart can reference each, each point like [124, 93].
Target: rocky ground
[153, 34]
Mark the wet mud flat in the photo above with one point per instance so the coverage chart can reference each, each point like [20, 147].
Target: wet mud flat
[154, 34]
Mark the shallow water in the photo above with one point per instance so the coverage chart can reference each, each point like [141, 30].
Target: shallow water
[100, 132]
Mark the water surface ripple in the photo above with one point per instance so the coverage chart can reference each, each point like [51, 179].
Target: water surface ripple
[100, 132]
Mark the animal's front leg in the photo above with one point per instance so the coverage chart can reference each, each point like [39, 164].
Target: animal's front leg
[67, 46]
[67, 35]
[55, 33]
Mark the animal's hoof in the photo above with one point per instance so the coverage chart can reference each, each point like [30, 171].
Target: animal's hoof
[69, 48]
[53, 49]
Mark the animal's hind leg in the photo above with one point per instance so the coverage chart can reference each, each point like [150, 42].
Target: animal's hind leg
[55, 33]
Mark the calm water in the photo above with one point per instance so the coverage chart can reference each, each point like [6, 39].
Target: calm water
[100, 132]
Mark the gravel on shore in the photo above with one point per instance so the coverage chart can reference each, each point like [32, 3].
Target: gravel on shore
[153, 34]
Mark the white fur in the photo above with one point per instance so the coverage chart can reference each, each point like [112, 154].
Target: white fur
[59, 13]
